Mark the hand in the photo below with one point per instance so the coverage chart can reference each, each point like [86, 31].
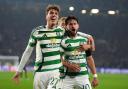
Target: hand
[91, 42]
[95, 82]
[84, 47]
[73, 67]
[16, 77]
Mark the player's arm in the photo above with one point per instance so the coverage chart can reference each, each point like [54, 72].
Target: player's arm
[91, 39]
[85, 46]
[91, 64]
[73, 67]
[25, 58]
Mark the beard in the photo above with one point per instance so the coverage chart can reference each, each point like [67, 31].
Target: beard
[72, 32]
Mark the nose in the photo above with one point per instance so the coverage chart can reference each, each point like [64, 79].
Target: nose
[54, 14]
[73, 26]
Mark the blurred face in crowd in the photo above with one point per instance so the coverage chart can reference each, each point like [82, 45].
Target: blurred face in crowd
[61, 22]
[72, 26]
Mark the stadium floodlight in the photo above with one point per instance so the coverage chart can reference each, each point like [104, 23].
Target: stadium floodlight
[83, 11]
[111, 12]
[71, 8]
[94, 11]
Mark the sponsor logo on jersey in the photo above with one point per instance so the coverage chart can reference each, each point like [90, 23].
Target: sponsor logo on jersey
[53, 40]
[75, 52]
[76, 57]
[53, 43]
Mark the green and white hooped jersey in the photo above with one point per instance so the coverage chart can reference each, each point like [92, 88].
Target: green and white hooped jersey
[70, 47]
[47, 42]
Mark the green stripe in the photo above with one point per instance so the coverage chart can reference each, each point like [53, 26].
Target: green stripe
[33, 37]
[53, 53]
[32, 44]
[58, 30]
[48, 62]
[44, 70]
[61, 53]
[71, 48]
[77, 73]
[75, 40]
[83, 65]
[49, 38]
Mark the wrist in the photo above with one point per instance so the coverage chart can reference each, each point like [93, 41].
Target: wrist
[95, 75]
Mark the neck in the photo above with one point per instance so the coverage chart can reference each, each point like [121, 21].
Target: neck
[72, 36]
[50, 26]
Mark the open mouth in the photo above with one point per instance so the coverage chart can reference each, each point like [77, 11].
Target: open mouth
[73, 30]
[53, 18]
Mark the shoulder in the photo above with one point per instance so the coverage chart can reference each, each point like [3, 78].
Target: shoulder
[39, 28]
[36, 30]
[64, 39]
[84, 34]
[60, 29]
[81, 37]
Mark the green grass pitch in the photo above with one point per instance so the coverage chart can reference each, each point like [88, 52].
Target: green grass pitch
[107, 81]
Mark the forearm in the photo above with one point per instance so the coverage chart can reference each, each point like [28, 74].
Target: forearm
[25, 58]
[64, 62]
[72, 67]
[91, 64]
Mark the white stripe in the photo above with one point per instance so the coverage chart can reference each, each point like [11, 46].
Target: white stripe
[52, 66]
[78, 61]
[50, 49]
[83, 69]
[71, 53]
[50, 41]
[75, 44]
[51, 58]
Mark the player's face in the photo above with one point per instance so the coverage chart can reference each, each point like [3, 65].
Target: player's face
[73, 26]
[62, 24]
[52, 16]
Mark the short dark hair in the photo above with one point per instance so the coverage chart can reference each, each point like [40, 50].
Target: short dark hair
[55, 7]
[70, 18]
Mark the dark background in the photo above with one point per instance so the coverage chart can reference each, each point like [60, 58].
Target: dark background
[19, 17]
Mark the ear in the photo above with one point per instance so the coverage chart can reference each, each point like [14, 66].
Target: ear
[78, 26]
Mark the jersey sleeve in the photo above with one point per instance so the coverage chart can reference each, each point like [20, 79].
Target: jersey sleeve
[62, 47]
[83, 34]
[27, 53]
[32, 40]
[25, 57]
